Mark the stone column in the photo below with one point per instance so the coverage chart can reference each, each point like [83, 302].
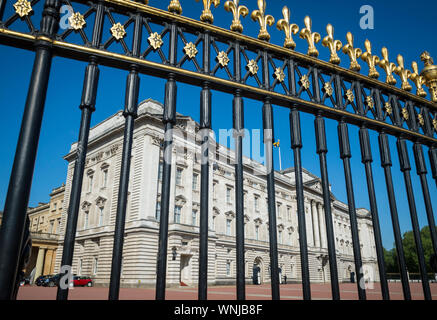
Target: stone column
[40, 262]
[48, 262]
[323, 236]
[309, 223]
[314, 214]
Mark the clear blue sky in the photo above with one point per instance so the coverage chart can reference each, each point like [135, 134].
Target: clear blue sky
[404, 27]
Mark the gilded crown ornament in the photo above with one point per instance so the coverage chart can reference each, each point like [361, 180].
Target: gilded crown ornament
[117, 31]
[429, 73]
[263, 20]
[418, 80]
[353, 53]
[310, 37]
[23, 8]
[371, 60]
[405, 74]
[289, 29]
[175, 7]
[333, 45]
[237, 11]
[77, 21]
[206, 13]
[389, 67]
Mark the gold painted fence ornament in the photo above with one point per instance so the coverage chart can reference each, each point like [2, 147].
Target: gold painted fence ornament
[206, 13]
[155, 40]
[371, 60]
[389, 67]
[429, 73]
[311, 37]
[77, 21]
[118, 31]
[333, 45]
[405, 74]
[353, 53]
[190, 50]
[175, 7]
[305, 82]
[328, 89]
[289, 29]
[223, 58]
[23, 8]
[418, 80]
[237, 11]
[253, 68]
[263, 20]
[279, 74]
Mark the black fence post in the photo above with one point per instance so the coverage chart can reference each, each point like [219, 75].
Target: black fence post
[406, 168]
[130, 114]
[89, 94]
[17, 199]
[169, 120]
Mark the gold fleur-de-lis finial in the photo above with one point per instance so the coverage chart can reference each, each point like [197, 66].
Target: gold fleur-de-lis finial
[310, 37]
[389, 67]
[418, 80]
[371, 60]
[289, 29]
[206, 13]
[333, 45]
[405, 74]
[263, 19]
[353, 53]
[175, 7]
[237, 11]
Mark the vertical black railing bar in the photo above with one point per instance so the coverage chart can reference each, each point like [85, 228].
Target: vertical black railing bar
[205, 127]
[406, 168]
[433, 162]
[386, 164]
[268, 142]
[87, 105]
[367, 159]
[2, 10]
[322, 150]
[17, 199]
[422, 172]
[130, 114]
[345, 155]
[296, 145]
[238, 124]
[169, 120]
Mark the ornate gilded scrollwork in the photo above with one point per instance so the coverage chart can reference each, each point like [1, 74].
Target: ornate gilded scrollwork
[389, 67]
[405, 74]
[353, 53]
[289, 29]
[429, 73]
[206, 13]
[237, 11]
[311, 37]
[371, 60]
[263, 20]
[333, 45]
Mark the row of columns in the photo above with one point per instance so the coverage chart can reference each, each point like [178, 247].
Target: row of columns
[44, 261]
[316, 225]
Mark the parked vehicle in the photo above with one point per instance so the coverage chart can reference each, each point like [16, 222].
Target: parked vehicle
[79, 281]
[52, 281]
[40, 280]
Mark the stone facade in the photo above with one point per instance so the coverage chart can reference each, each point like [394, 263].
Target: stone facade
[45, 220]
[95, 231]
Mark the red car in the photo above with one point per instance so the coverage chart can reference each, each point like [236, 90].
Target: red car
[82, 281]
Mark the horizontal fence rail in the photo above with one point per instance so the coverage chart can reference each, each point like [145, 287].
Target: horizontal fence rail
[146, 40]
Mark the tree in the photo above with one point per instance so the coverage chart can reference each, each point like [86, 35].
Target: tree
[409, 245]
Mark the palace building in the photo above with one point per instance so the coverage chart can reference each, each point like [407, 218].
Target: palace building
[95, 230]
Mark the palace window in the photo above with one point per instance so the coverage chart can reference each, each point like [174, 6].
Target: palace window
[85, 221]
[90, 182]
[160, 169]
[256, 232]
[256, 203]
[158, 211]
[228, 268]
[193, 217]
[289, 213]
[228, 195]
[280, 236]
[179, 176]
[195, 180]
[228, 227]
[177, 214]
[104, 177]
[95, 267]
[101, 215]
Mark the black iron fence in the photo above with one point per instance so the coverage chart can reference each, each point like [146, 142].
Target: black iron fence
[253, 69]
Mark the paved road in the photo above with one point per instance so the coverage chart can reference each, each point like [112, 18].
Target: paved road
[262, 292]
